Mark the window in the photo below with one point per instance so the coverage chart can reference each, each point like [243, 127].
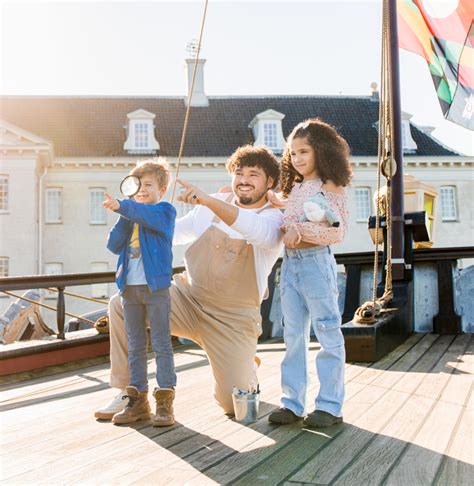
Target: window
[99, 291]
[4, 193]
[4, 266]
[448, 203]
[54, 205]
[97, 212]
[270, 135]
[408, 144]
[53, 268]
[363, 206]
[141, 135]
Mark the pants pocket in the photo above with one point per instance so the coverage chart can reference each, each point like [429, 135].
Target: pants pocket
[328, 331]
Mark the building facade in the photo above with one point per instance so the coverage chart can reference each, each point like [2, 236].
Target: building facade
[60, 155]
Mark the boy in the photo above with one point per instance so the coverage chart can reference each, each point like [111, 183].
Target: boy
[142, 237]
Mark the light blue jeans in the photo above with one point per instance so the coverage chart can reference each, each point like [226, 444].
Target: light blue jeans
[139, 304]
[309, 297]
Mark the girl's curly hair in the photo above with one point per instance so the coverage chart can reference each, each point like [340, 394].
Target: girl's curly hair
[331, 152]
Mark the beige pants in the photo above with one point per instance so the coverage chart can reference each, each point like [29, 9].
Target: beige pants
[228, 338]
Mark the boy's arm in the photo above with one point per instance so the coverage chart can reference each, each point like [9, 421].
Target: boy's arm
[119, 235]
[157, 217]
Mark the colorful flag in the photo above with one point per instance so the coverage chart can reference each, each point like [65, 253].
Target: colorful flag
[442, 32]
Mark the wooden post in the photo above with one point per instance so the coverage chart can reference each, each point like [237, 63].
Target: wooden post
[60, 313]
[447, 321]
[397, 206]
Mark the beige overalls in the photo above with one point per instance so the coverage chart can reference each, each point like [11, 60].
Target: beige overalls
[216, 303]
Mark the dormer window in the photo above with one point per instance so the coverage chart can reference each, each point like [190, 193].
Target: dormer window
[141, 133]
[267, 130]
[408, 144]
[270, 138]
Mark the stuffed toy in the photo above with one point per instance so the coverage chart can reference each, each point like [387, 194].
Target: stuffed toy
[317, 209]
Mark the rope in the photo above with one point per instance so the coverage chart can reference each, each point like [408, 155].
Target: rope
[98, 301]
[368, 312]
[47, 306]
[190, 95]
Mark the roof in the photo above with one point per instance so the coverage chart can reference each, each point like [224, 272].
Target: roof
[94, 126]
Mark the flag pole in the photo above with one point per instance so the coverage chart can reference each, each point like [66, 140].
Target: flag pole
[397, 207]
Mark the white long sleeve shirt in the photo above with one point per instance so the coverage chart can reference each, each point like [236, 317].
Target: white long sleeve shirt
[259, 228]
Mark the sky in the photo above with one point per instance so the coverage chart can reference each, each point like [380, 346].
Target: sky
[123, 48]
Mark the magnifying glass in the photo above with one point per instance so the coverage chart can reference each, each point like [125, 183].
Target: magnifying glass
[130, 185]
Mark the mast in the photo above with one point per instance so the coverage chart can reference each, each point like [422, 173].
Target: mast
[396, 202]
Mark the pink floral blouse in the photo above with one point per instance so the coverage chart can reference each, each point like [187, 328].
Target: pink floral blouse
[311, 232]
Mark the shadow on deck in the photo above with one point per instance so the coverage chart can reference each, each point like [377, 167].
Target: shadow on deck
[408, 420]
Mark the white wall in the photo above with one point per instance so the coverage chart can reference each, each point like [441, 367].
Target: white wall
[18, 226]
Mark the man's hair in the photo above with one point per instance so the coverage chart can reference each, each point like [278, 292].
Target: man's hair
[157, 167]
[250, 156]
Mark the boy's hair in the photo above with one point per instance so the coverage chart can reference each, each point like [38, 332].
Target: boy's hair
[157, 167]
[331, 152]
[250, 156]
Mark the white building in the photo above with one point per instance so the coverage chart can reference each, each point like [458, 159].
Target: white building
[60, 154]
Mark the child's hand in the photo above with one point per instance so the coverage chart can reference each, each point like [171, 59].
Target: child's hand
[110, 203]
[291, 238]
[276, 199]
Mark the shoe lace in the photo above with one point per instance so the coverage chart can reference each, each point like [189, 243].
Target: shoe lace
[131, 400]
[162, 404]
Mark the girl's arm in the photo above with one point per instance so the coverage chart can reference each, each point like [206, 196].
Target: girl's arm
[322, 233]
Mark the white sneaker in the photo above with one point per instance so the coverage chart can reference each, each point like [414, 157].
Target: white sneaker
[117, 404]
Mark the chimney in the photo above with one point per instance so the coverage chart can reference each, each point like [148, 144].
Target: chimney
[374, 92]
[199, 97]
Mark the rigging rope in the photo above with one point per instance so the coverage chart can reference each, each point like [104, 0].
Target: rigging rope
[190, 94]
[47, 306]
[368, 312]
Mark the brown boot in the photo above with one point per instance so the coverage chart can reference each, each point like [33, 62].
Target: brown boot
[164, 407]
[137, 407]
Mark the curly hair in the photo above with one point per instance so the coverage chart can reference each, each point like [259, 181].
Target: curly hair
[250, 156]
[331, 152]
[157, 167]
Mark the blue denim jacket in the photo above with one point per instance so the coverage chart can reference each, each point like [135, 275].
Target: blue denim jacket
[155, 229]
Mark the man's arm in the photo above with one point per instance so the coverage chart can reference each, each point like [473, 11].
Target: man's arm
[194, 195]
[262, 230]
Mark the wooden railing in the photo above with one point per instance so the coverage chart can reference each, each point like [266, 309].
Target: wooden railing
[444, 258]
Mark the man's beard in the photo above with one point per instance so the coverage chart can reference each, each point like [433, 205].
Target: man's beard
[248, 200]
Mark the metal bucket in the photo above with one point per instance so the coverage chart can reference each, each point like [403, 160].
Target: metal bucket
[246, 406]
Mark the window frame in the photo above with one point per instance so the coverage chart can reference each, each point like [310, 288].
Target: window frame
[100, 291]
[51, 294]
[449, 219]
[146, 131]
[47, 219]
[273, 135]
[368, 191]
[103, 211]
[4, 259]
[6, 178]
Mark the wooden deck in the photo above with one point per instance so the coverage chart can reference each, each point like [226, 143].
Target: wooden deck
[408, 421]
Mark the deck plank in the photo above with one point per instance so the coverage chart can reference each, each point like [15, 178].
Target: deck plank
[412, 405]
[124, 438]
[332, 448]
[423, 456]
[231, 466]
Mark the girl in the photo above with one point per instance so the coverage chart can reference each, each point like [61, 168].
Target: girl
[316, 160]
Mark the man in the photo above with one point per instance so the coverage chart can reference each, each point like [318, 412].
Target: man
[236, 240]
